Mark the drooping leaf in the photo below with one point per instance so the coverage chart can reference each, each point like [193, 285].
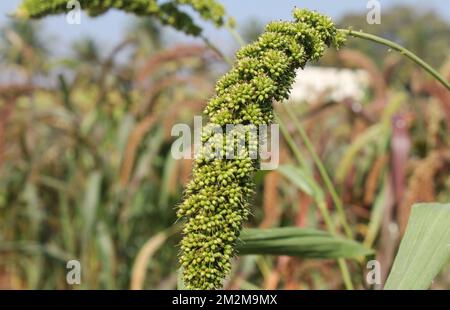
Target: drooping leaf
[307, 243]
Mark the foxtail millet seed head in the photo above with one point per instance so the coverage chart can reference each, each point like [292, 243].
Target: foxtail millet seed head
[167, 13]
[217, 198]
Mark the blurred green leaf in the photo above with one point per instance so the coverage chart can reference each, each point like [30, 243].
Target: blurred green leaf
[307, 243]
[169, 166]
[376, 215]
[301, 178]
[364, 140]
[107, 256]
[31, 247]
[424, 250]
[91, 201]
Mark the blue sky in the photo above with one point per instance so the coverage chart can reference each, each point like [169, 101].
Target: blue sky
[109, 28]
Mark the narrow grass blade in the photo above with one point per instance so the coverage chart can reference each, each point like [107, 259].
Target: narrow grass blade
[307, 243]
[424, 250]
[107, 255]
[300, 178]
[91, 201]
[362, 141]
[34, 248]
[376, 216]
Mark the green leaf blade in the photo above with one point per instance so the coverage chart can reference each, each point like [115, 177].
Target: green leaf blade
[424, 250]
[293, 241]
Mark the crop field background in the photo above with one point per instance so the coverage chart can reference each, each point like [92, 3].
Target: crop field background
[87, 173]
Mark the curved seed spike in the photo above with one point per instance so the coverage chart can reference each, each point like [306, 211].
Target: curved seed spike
[167, 13]
[217, 198]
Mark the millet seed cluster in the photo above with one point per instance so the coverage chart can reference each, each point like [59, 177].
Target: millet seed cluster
[217, 198]
[168, 12]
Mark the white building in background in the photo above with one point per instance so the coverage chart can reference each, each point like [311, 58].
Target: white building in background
[326, 83]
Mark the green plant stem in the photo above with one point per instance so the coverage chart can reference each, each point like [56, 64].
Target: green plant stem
[321, 204]
[401, 49]
[217, 50]
[236, 35]
[323, 173]
[345, 274]
[290, 142]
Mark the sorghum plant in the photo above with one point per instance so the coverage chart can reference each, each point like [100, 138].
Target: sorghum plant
[217, 198]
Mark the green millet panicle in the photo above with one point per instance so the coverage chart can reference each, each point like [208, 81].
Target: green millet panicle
[217, 198]
[166, 12]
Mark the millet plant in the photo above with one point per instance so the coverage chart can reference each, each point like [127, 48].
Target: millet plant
[216, 202]
[217, 198]
[167, 13]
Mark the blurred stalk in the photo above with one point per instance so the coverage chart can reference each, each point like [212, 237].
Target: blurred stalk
[235, 35]
[323, 173]
[290, 141]
[320, 204]
[217, 50]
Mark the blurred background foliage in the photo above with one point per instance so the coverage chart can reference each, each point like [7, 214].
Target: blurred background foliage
[86, 170]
